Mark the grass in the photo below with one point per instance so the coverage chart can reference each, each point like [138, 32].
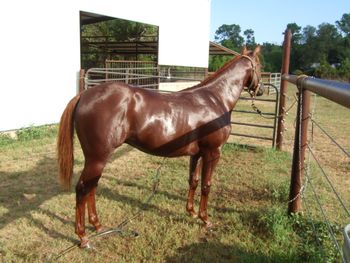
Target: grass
[247, 205]
[333, 118]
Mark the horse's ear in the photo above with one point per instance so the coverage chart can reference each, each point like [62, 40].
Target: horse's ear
[244, 50]
[257, 50]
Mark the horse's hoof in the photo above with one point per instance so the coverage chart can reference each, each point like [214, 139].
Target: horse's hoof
[87, 246]
[192, 214]
[99, 228]
[85, 243]
[208, 225]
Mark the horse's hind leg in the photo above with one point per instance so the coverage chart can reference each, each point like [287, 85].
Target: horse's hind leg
[210, 160]
[85, 192]
[195, 167]
[92, 213]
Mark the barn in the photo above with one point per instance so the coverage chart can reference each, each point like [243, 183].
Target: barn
[41, 48]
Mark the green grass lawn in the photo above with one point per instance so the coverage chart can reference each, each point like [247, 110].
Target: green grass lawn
[247, 206]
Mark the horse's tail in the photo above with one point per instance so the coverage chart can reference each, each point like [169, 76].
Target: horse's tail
[65, 150]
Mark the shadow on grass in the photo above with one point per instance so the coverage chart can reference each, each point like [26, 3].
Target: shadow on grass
[23, 192]
[210, 252]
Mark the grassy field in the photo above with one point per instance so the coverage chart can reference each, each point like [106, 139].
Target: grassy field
[247, 205]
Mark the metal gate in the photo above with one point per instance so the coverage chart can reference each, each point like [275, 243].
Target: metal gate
[262, 124]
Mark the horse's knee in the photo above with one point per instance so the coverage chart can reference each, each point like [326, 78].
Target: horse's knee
[193, 182]
[206, 189]
[84, 187]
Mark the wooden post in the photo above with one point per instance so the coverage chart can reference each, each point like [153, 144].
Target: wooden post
[283, 88]
[300, 144]
[81, 80]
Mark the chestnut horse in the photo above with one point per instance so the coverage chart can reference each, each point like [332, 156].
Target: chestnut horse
[193, 122]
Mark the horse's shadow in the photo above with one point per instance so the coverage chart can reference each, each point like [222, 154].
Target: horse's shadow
[24, 192]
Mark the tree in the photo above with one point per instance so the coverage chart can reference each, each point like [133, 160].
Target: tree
[229, 36]
[272, 57]
[296, 53]
[216, 62]
[296, 32]
[328, 43]
[323, 50]
[344, 69]
[325, 70]
[308, 49]
[250, 39]
[344, 24]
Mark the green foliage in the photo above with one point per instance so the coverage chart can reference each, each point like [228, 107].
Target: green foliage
[344, 24]
[250, 39]
[344, 69]
[317, 247]
[325, 70]
[229, 36]
[39, 132]
[5, 139]
[216, 62]
[28, 134]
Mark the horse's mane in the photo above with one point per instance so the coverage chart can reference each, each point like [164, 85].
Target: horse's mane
[218, 72]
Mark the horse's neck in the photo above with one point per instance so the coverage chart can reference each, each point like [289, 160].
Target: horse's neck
[228, 86]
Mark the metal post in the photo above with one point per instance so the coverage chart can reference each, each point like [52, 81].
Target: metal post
[283, 88]
[300, 144]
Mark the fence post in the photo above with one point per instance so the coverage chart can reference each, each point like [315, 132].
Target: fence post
[300, 144]
[81, 80]
[283, 88]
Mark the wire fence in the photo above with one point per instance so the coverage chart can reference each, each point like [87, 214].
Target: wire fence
[315, 201]
[324, 179]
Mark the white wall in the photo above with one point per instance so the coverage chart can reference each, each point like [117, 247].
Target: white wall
[40, 49]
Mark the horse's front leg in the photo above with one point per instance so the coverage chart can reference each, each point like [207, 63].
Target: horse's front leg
[195, 167]
[210, 160]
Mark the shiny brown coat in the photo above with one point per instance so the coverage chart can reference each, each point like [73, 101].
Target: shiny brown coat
[193, 122]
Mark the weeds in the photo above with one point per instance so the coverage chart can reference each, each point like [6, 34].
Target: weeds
[29, 134]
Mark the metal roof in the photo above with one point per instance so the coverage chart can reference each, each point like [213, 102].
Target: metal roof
[216, 49]
[104, 45]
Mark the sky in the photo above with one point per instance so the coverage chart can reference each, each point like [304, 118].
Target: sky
[269, 18]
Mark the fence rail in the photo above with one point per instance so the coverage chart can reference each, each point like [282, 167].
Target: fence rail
[338, 92]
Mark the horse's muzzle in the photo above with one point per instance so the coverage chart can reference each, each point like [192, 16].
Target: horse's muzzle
[261, 89]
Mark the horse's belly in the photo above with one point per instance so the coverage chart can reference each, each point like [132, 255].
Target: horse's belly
[173, 148]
